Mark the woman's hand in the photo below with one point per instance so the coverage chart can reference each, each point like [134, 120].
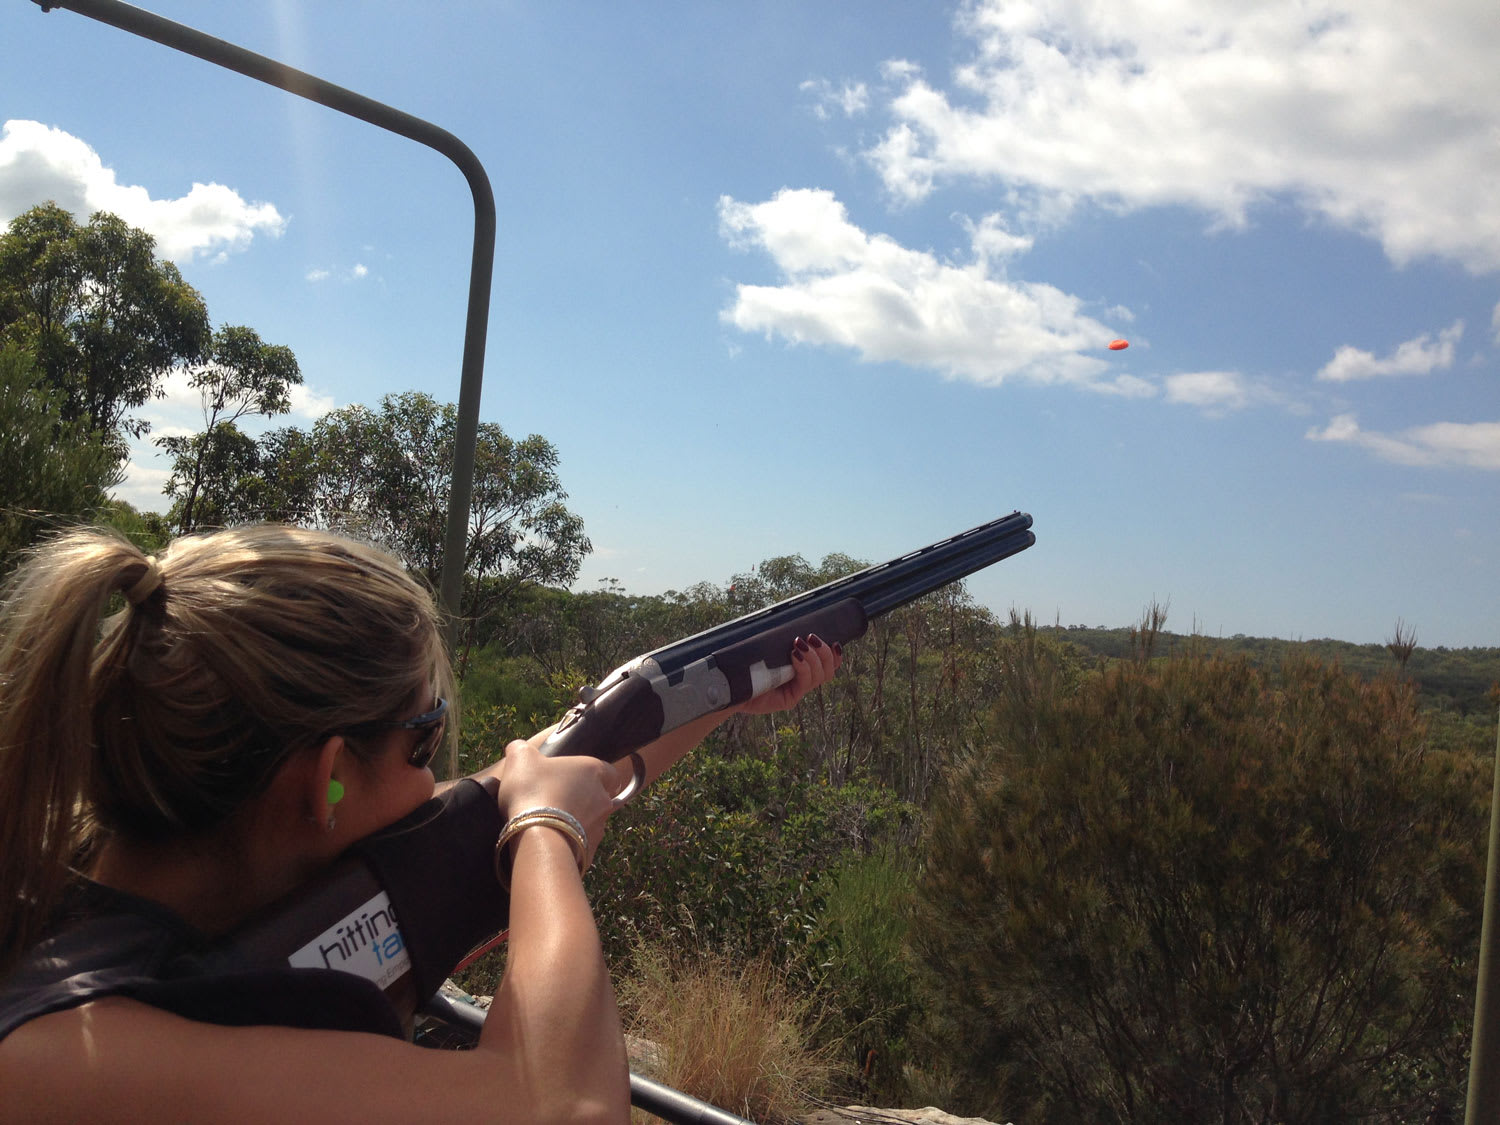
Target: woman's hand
[584, 787]
[813, 664]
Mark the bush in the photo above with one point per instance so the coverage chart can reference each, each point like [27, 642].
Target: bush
[864, 972]
[732, 1032]
[1181, 894]
[726, 854]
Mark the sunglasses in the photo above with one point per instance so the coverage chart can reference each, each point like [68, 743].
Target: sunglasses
[430, 724]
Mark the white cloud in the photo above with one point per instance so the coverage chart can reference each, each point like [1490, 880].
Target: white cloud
[38, 163]
[142, 485]
[1379, 116]
[357, 272]
[1216, 392]
[843, 287]
[1473, 445]
[1421, 356]
[851, 99]
[308, 405]
[1125, 386]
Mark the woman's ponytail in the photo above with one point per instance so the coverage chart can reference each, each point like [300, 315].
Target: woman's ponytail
[49, 628]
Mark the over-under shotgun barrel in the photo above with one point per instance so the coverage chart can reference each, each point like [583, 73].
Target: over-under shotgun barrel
[714, 669]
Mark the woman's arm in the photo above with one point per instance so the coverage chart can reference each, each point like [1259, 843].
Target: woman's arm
[118, 1060]
[551, 1049]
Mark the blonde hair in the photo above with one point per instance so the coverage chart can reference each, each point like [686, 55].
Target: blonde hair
[254, 643]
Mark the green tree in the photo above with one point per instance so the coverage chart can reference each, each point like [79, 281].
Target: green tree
[104, 319]
[242, 377]
[288, 471]
[147, 530]
[387, 474]
[52, 471]
[218, 471]
[1178, 892]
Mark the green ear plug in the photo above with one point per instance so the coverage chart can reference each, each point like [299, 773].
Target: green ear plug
[335, 791]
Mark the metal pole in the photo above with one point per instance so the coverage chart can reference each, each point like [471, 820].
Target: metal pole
[186, 39]
[1484, 1075]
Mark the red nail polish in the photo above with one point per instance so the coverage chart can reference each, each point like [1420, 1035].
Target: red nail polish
[813, 640]
[838, 649]
[801, 645]
[797, 656]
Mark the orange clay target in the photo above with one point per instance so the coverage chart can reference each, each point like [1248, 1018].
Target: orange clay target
[1118, 345]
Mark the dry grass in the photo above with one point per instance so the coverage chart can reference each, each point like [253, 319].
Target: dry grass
[729, 1032]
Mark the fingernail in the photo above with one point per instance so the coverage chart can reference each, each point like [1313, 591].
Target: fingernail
[801, 645]
[813, 640]
[838, 649]
[797, 656]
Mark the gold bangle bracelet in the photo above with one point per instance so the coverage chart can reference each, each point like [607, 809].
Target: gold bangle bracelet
[556, 819]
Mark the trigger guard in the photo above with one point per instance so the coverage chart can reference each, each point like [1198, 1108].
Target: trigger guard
[637, 779]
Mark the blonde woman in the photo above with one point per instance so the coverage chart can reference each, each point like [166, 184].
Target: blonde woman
[265, 698]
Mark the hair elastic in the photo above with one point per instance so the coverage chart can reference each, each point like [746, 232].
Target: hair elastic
[146, 584]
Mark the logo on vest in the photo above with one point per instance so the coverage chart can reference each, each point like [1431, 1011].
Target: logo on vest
[366, 942]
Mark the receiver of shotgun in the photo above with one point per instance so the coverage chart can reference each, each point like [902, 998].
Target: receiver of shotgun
[730, 663]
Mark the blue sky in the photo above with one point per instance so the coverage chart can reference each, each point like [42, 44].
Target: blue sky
[805, 277]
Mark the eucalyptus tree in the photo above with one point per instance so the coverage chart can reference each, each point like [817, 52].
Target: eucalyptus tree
[385, 474]
[52, 471]
[104, 319]
[241, 377]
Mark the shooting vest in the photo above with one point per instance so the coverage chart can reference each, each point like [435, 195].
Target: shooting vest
[357, 950]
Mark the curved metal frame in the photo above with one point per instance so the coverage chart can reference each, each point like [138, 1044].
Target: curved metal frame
[193, 42]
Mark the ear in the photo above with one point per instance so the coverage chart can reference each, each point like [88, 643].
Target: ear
[326, 766]
[297, 795]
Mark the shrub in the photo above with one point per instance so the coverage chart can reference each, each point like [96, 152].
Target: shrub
[864, 972]
[726, 853]
[732, 1032]
[1181, 894]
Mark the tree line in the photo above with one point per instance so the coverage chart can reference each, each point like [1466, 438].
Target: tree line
[1036, 881]
[1451, 679]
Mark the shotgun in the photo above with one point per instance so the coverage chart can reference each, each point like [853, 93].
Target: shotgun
[645, 698]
